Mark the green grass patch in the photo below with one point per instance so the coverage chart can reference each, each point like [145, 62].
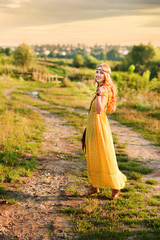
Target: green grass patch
[5, 198]
[21, 134]
[154, 201]
[134, 166]
[151, 181]
[140, 122]
[3, 190]
[96, 217]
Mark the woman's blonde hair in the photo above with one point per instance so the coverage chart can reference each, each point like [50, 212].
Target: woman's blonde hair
[108, 83]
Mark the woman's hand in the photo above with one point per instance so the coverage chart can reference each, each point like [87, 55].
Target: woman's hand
[101, 90]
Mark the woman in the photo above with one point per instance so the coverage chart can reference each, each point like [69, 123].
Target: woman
[97, 138]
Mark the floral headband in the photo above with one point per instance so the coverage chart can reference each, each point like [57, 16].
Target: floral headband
[107, 70]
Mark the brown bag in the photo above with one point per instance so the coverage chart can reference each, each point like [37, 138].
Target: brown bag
[83, 140]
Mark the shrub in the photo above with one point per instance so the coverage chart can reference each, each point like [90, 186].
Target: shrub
[146, 77]
[131, 68]
[154, 85]
[91, 62]
[66, 82]
[78, 60]
[23, 56]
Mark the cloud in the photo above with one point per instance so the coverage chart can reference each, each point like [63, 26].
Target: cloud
[55, 11]
[12, 3]
[117, 30]
[25, 14]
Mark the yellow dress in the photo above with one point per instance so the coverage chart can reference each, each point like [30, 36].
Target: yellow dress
[102, 164]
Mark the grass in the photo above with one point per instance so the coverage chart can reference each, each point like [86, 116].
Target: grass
[151, 181]
[134, 214]
[146, 102]
[140, 111]
[73, 118]
[3, 190]
[136, 111]
[78, 96]
[21, 136]
[140, 122]
[3, 196]
[134, 166]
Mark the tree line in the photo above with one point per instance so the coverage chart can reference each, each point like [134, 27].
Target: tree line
[143, 57]
[107, 52]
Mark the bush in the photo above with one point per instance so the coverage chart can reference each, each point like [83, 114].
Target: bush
[121, 84]
[154, 85]
[146, 77]
[154, 68]
[23, 56]
[78, 60]
[131, 68]
[91, 62]
[66, 82]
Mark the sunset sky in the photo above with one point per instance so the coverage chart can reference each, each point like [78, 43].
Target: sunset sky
[120, 22]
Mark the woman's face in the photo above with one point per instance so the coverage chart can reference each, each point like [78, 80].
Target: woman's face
[99, 75]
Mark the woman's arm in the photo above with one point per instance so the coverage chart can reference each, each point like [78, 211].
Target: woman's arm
[100, 103]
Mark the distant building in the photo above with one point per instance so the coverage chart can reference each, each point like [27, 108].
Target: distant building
[63, 53]
[56, 51]
[123, 50]
[88, 50]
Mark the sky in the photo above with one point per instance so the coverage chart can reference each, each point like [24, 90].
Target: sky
[115, 22]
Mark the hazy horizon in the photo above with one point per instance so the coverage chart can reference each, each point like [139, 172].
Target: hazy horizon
[119, 22]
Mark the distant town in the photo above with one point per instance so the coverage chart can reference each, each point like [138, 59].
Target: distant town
[69, 51]
[101, 52]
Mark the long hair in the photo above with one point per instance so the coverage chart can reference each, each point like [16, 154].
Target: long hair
[108, 83]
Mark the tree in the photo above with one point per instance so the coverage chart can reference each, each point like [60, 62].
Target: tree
[23, 56]
[78, 60]
[114, 55]
[91, 62]
[141, 56]
[103, 54]
[155, 68]
[1, 50]
[8, 51]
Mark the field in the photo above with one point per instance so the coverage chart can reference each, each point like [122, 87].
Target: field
[135, 215]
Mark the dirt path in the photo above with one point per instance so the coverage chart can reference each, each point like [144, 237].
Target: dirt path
[40, 196]
[36, 215]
